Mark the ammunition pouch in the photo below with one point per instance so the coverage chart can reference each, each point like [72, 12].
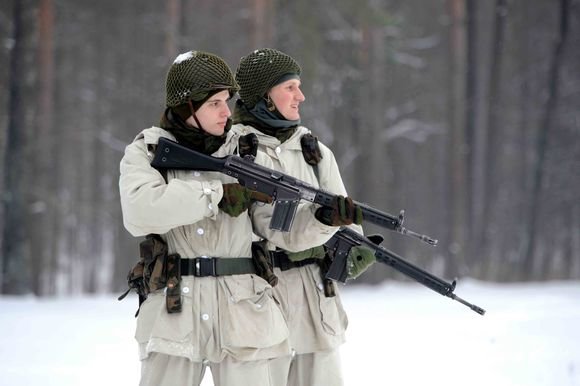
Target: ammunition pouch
[173, 301]
[263, 263]
[135, 282]
[279, 259]
[156, 269]
[328, 284]
[153, 271]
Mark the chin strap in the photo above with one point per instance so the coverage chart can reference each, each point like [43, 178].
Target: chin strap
[193, 114]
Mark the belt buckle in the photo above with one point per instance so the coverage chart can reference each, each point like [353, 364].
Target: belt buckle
[205, 266]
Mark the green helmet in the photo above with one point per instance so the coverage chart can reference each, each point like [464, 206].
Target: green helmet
[194, 75]
[259, 71]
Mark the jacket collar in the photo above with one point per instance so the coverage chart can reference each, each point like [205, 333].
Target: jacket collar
[151, 137]
[292, 143]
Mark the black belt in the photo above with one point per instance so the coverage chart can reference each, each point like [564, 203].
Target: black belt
[217, 266]
[280, 259]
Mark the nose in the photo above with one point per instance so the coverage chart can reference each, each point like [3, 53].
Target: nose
[300, 96]
[226, 111]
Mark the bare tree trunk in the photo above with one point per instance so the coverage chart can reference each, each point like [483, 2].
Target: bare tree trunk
[371, 61]
[470, 121]
[490, 240]
[261, 9]
[42, 214]
[173, 9]
[479, 17]
[574, 254]
[525, 142]
[258, 13]
[5, 29]
[457, 202]
[542, 145]
[372, 58]
[15, 252]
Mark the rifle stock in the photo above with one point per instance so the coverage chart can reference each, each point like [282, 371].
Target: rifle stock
[171, 155]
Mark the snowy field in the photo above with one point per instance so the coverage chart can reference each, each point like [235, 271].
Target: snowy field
[399, 334]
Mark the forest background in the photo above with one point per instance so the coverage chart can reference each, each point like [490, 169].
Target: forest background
[463, 112]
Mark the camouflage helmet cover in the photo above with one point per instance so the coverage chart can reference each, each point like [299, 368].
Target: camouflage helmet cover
[259, 71]
[194, 74]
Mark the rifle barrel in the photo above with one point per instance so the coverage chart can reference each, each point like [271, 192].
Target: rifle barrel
[408, 269]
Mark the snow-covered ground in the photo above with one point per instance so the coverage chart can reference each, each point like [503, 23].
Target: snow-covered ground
[399, 334]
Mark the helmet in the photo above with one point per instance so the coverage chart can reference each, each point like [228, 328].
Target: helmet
[194, 75]
[259, 71]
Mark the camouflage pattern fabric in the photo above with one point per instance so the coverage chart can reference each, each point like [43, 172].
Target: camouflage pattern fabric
[342, 211]
[148, 273]
[263, 264]
[154, 254]
[237, 199]
[136, 283]
[173, 299]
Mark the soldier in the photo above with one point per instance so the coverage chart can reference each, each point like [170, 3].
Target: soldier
[205, 305]
[268, 107]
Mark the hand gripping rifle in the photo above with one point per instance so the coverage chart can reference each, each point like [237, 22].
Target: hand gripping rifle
[285, 190]
[339, 246]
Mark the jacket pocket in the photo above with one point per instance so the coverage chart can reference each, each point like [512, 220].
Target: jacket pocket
[332, 315]
[155, 322]
[251, 318]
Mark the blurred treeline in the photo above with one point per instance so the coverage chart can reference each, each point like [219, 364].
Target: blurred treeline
[466, 113]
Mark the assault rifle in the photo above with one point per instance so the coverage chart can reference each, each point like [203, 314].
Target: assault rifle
[285, 190]
[339, 246]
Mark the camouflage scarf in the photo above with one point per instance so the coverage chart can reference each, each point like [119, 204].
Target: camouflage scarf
[192, 137]
[284, 130]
